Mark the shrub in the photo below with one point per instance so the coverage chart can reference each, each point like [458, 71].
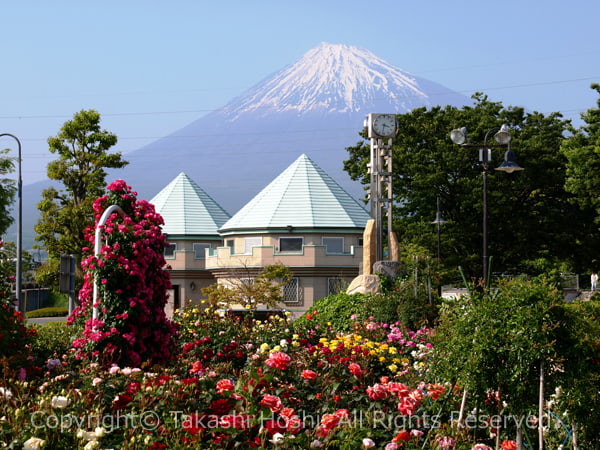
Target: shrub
[52, 311]
[53, 340]
[131, 327]
[342, 309]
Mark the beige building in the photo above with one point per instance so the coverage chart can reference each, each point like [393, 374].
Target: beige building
[302, 219]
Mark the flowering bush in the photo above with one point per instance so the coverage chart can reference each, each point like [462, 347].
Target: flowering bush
[15, 338]
[131, 327]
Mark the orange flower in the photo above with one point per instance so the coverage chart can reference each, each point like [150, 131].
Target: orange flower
[509, 445]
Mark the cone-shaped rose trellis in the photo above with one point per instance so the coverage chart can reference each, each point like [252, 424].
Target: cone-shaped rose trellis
[131, 327]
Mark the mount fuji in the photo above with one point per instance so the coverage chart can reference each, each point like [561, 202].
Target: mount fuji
[316, 105]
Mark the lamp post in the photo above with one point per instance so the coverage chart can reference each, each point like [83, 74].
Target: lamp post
[19, 226]
[439, 221]
[459, 136]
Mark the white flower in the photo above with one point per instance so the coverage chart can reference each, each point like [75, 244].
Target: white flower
[114, 369]
[5, 394]
[126, 371]
[60, 401]
[91, 445]
[368, 443]
[283, 343]
[316, 444]
[277, 438]
[34, 443]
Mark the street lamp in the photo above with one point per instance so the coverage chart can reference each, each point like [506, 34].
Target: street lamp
[19, 225]
[459, 136]
[439, 221]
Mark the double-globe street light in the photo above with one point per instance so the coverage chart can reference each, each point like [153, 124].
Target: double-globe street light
[459, 136]
[19, 227]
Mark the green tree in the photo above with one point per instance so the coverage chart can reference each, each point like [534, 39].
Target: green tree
[83, 155]
[251, 291]
[582, 151]
[496, 342]
[7, 191]
[532, 224]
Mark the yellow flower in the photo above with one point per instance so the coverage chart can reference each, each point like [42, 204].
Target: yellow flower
[382, 359]
[393, 368]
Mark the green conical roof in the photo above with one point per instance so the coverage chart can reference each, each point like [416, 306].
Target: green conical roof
[188, 210]
[302, 196]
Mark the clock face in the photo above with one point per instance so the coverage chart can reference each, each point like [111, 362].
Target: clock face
[384, 124]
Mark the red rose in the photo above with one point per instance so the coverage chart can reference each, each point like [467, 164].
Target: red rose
[355, 370]
[278, 360]
[309, 374]
[272, 402]
[225, 385]
[377, 392]
[402, 436]
[121, 401]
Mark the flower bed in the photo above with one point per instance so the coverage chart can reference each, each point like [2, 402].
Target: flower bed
[261, 384]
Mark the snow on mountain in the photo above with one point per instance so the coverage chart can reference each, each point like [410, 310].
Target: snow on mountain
[338, 79]
[315, 106]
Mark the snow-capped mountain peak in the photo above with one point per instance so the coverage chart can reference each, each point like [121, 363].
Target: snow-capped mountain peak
[335, 78]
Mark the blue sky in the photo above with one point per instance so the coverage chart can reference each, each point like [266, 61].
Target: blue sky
[151, 67]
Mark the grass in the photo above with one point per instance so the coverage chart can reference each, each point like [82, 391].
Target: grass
[52, 311]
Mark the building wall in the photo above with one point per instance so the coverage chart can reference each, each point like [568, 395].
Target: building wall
[315, 268]
[188, 273]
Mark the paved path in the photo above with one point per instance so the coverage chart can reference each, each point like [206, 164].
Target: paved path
[43, 320]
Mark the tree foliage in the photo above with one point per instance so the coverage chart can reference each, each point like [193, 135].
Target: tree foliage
[83, 155]
[250, 292]
[533, 223]
[582, 151]
[497, 341]
[7, 191]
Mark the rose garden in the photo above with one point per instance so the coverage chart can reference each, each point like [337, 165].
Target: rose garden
[510, 367]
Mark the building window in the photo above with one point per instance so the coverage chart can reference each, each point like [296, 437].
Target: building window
[230, 243]
[336, 285]
[199, 250]
[170, 251]
[251, 242]
[334, 244]
[291, 244]
[291, 291]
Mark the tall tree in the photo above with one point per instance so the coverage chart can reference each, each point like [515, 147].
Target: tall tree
[532, 225]
[7, 191]
[83, 155]
[582, 150]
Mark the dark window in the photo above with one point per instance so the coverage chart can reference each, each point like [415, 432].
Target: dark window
[289, 244]
[170, 250]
